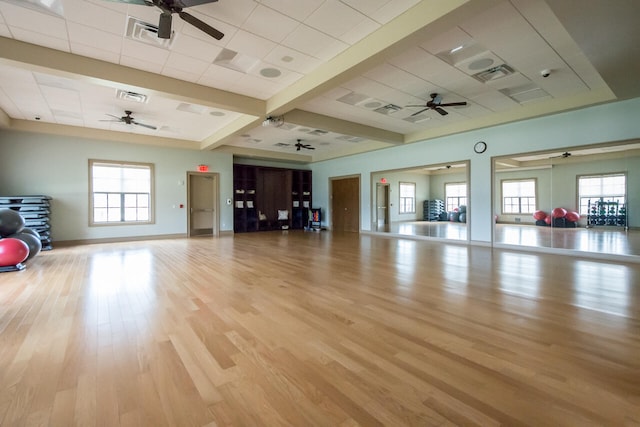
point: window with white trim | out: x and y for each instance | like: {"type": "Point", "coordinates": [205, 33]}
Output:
{"type": "Point", "coordinates": [120, 192]}
{"type": "Point", "coordinates": [519, 196]}
{"type": "Point", "coordinates": [455, 194]}
{"type": "Point", "coordinates": [407, 197]}
{"type": "Point", "coordinates": [601, 188]}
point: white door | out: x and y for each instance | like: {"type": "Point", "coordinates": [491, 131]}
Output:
{"type": "Point", "coordinates": [202, 204]}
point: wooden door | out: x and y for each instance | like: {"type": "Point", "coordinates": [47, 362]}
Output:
{"type": "Point", "coordinates": [345, 204]}
{"type": "Point", "coordinates": [202, 204]}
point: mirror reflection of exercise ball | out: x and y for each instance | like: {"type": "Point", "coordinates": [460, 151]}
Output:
{"type": "Point", "coordinates": [11, 222]}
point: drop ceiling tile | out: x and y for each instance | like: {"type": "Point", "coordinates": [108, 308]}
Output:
{"type": "Point", "coordinates": [446, 41]}
{"type": "Point", "coordinates": [219, 77]}
{"type": "Point", "coordinates": [93, 37]}
{"type": "Point", "coordinates": [331, 49]}
{"type": "Point", "coordinates": [195, 48]}
{"type": "Point", "coordinates": [4, 31]}
{"type": "Point", "coordinates": [366, 7]}
{"type": "Point", "coordinates": [143, 52]}
{"type": "Point", "coordinates": [286, 77]}
{"type": "Point", "coordinates": [250, 45]}
{"type": "Point", "coordinates": [95, 16]}
{"type": "Point", "coordinates": [397, 78]}
{"type": "Point", "coordinates": [9, 107]}
{"type": "Point", "coordinates": [40, 39]}
{"type": "Point", "coordinates": [61, 99]}
{"type": "Point", "coordinates": [307, 40]}
{"type": "Point", "coordinates": [293, 60]}
{"type": "Point", "coordinates": [296, 9]}
{"type": "Point", "coordinates": [334, 18]}
{"type": "Point", "coordinates": [233, 12]}
{"type": "Point", "coordinates": [392, 9]}
{"type": "Point", "coordinates": [186, 64]}
{"type": "Point", "coordinates": [28, 19]}
{"type": "Point", "coordinates": [270, 24]}
{"type": "Point", "coordinates": [360, 31]}
{"type": "Point", "coordinates": [184, 28]}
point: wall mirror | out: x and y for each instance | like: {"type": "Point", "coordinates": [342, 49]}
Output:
{"type": "Point", "coordinates": [583, 199]}
{"type": "Point", "coordinates": [428, 201]}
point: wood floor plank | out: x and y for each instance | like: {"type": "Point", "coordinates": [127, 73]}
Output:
{"type": "Point", "coordinates": [317, 329]}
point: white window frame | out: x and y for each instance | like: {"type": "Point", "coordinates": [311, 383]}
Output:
{"type": "Point", "coordinates": [121, 202]}
{"type": "Point", "coordinates": [407, 203]}
{"type": "Point", "coordinates": [528, 201]}
{"type": "Point", "coordinates": [456, 200]}
{"type": "Point", "coordinates": [609, 195]}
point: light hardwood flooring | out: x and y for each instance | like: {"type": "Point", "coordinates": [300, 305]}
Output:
{"type": "Point", "coordinates": [317, 329]}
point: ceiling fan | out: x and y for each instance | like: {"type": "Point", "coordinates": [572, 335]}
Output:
{"type": "Point", "coordinates": [169, 7]}
{"type": "Point", "coordinates": [563, 155]}
{"type": "Point", "coordinates": [127, 119]}
{"type": "Point", "coordinates": [300, 145]}
{"type": "Point", "coordinates": [436, 104]}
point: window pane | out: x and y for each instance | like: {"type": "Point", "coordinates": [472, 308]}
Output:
{"type": "Point", "coordinates": [121, 192]}
{"type": "Point", "coordinates": [407, 197]}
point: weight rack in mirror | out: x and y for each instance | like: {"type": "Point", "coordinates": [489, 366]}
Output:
{"type": "Point", "coordinates": [35, 210]}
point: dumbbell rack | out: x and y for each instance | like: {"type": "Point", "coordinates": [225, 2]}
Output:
{"type": "Point", "coordinates": [35, 210]}
{"type": "Point", "coordinates": [606, 213]}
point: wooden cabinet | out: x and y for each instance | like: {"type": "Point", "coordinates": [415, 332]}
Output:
{"type": "Point", "coordinates": [262, 194]}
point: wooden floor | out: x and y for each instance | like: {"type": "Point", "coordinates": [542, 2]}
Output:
{"type": "Point", "coordinates": [602, 240]}
{"type": "Point", "coordinates": [314, 328]}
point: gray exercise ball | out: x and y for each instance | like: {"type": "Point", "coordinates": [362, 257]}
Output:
{"type": "Point", "coordinates": [33, 242]}
{"type": "Point", "coordinates": [11, 222]}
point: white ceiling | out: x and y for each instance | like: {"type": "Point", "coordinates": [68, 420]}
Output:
{"type": "Point", "coordinates": [325, 66]}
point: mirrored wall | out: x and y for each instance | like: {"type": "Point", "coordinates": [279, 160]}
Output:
{"type": "Point", "coordinates": [427, 201]}
{"type": "Point", "coordinates": [583, 199]}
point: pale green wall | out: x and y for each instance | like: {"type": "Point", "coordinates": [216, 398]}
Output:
{"type": "Point", "coordinates": [57, 166]}
{"type": "Point", "coordinates": [438, 182]}
{"type": "Point", "coordinates": [604, 123]}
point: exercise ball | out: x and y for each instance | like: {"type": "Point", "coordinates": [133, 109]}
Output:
{"type": "Point", "coordinates": [572, 216]}
{"type": "Point", "coordinates": [462, 209]}
{"type": "Point", "coordinates": [547, 219]}
{"type": "Point", "coordinates": [12, 252]}
{"type": "Point", "coordinates": [31, 231]}
{"type": "Point", "coordinates": [462, 217]}
{"type": "Point", "coordinates": [11, 222]}
{"type": "Point", "coordinates": [558, 213]}
{"type": "Point", "coordinates": [33, 242]}
{"type": "Point", "coordinates": [539, 215]}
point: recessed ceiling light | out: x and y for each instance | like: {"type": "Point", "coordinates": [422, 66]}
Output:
{"type": "Point", "coordinates": [287, 58]}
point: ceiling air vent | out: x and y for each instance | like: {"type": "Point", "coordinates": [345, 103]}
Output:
{"type": "Point", "coordinates": [146, 33]}
{"type": "Point", "coordinates": [388, 109]}
{"type": "Point", "coordinates": [127, 95]}
{"type": "Point", "coordinates": [525, 93]}
{"type": "Point", "coordinates": [494, 73]}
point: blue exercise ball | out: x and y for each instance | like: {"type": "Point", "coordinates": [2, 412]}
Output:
{"type": "Point", "coordinates": [11, 222]}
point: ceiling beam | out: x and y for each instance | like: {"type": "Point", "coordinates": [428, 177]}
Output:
{"type": "Point", "coordinates": [240, 125]}
{"type": "Point", "coordinates": [39, 58]}
{"type": "Point", "coordinates": [319, 121]}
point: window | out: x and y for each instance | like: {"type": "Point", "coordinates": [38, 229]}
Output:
{"type": "Point", "coordinates": [120, 193]}
{"type": "Point", "coordinates": [605, 188]}
{"type": "Point", "coordinates": [519, 196]}
{"type": "Point", "coordinates": [455, 194]}
{"type": "Point", "coordinates": [407, 197]}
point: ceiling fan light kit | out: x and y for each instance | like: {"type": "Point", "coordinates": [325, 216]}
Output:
{"type": "Point", "coordinates": [435, 104]}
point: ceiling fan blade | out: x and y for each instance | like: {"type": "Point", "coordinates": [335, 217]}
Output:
{"type": "Point", "coordinates": [310, 148]}
{"type": "Point", "coordinates": [441, 111]}
{"type": "Point", "coordinates": [164, 27]}
{"type": "Point", "coordinates": [201, 25]}
{"type": "Point", "coordinates": [418, 112]}
{"type": "Point", "coordinates": [190, 3]}
{"type": "Point", "coordinates": [453, 104]}
{"type": "Point", "coordinates": [144, 126]}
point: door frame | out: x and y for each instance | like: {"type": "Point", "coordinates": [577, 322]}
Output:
{"type": "Point", "coordinates": [359, 198]}
{"type": "Point", "coordinates": [216, 200]}
{"type": "Point", "coordinates": [387, 207]}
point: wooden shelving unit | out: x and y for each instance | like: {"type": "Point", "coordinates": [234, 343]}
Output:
{"type": "Point", "coordinates": [261, 192]}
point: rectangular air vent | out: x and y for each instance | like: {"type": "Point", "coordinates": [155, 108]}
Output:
{"type": "Point", "coordinates": [235, 61]}
{"type": "Point", "coordinates": [318, 132]}
{"type": "Point", "coordinates": [494, 73]}
{"type": "Point", "coordinates": [127, 95]}
{"type": "Point", "coordinates": [281, 144]}
{"type": "Point", "coordinates": [525, 93]}
{"type": "Point", "coordinates": [144, 32]}
{"type": "Point", "coordinates": [388, 109]}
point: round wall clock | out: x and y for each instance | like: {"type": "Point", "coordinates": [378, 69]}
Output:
{"type": "Point", "coordinates": [480, 147]}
